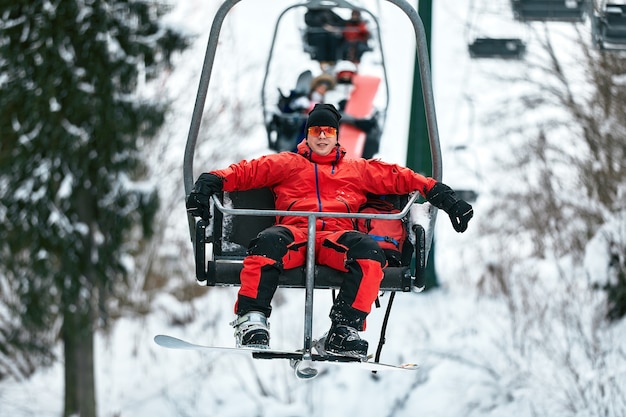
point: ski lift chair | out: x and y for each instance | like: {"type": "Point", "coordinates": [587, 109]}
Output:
{"type": "Point", "coordinates": [238, 216]}
{"type": "Point", "coordinates": [549, 10]}
{"type": "Point", "coordinates": [610, 27]}
{"type": "Point", "coordinates": [506, 48]}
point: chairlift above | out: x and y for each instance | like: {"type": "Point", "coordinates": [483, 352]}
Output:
{"type": "Point", "coordinates": [219, 247]}
{"type": "Point", "coordinates": [609, 27]}
{"type": "Point", "coordinates": [506, 48]}
{"type": "Point", "coordinates": [550, 10]}
{"type": "Point", "coordinates": [327, 38]}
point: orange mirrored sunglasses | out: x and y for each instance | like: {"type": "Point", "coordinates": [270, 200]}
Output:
{"type": "Point", "coordinates": [328, 131]}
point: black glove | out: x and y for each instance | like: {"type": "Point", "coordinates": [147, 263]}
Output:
{"type": "Point", "coordinates": [198, 199]}
{"type": "Point", "coordinates": [460, 211]}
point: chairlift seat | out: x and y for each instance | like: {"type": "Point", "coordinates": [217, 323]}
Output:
{"type": "Point", "coordinates": [549, 10]}
{"type": "Point", "coordinates": [513, 48]}
{"type": "Point", "coordinates": [229, 236]}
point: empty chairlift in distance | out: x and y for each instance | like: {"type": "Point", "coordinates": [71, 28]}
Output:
{"type": "Point", "coordinates": [609, 27]}
{"type": "Point", "coordinates": [504, 48]}
{"type": "Point", "coordinates": [550, 10]}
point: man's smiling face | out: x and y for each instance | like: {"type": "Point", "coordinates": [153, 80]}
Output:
{"type": "Point", "coordinates": [322, 139]}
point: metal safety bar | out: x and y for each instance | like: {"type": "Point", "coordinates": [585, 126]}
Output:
{"type": "Point", "coordinates": [269, 212]}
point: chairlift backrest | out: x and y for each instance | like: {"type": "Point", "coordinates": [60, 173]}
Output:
{"type": "Point", "coordinates": [512, 48]}
{"type": "Point", "coordinates": [550, 10]}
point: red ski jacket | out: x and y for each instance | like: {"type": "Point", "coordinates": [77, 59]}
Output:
{"type": "Point", "coordinates": [305, 181]}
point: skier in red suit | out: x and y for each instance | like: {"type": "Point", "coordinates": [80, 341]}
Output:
{"type": "Point", "coordinates": [317, 179]}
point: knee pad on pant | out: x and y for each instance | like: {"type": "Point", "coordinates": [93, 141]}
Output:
{"type": "Point", "coordinates": [362, 246]}
{"type": "Point", "coordinates": [272, 243]}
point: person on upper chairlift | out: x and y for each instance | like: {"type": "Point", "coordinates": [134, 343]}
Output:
{"type": "Point", "coordinates": [344, 72]}
{"type": "Point", "coordinates": [334, 89]}
{"type": "Point", "coordinates": [317, 179]}
{"type": "Point", "coordinates": [298, 102]}
{"type": "Point", "coordinates": [320, 85]}
{"type": "Point", "coordinates": [324, 35]}
{"type": "Point", "coordinates": [303, 104]}
{"type": "Point", "coordinates": [356, 35]}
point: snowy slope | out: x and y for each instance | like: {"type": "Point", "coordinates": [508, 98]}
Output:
{"type": "Point", "coordinates": [479, 356]}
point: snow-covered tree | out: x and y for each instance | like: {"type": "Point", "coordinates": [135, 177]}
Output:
{"type": "Point", "coordinates": [570, 149]}
{"type": "Point", "coordinates": [72, 205]}
{"type": "Point", "coordinates": [567, 191]}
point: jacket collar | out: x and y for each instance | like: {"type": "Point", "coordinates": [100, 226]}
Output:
{"type": "Point", "coordinates": [332, 158]}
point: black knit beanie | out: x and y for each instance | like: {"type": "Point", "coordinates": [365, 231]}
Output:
{"type": "Point", "coordinates": [323, 115]}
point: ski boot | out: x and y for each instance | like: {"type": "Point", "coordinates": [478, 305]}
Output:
{"type": "Point", "coordinates": [252, 330]}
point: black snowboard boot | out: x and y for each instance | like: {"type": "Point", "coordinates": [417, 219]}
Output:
{"type": "Point", "coordinates": [345, 340]}
{"type": "Point", "coordinates": [252, 330]}
{"type": "Point", "coordinates": [343, 337]}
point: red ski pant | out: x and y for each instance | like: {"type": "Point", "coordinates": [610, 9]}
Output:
{"type": "Point", "coordinates": [284, 247]}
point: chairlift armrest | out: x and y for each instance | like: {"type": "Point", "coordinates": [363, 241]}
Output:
{"type": "Point", "coordinates": [420, 258]}
{"type": "Point", "coordinates": [200, 250]}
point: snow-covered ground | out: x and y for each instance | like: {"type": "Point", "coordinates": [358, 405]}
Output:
{"type": "Point", "coordinates": [479, 355]}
